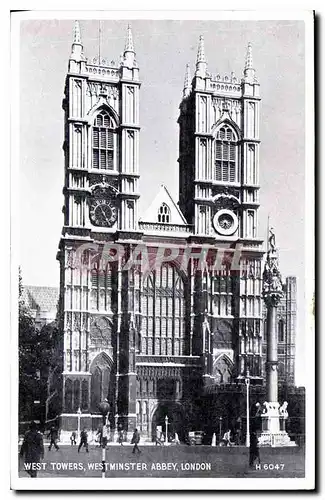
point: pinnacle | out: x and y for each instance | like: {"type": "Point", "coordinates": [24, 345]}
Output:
{"type": "Point", "coordinates": [129, 47]}
{"type": "Point", "coordinates": [200, 52]}
{"type": "Point", "coordinates": [249, 57]}
{"type": "Point", "coordinates": [76, 33]}
{"type": "Point", "coordinates": [187, 81]}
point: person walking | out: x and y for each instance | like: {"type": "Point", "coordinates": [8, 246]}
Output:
{"type": "Point", "coordinates": [73, 436]}
{"type": "Point", "coordinates": [32, 449]}
{"type": "Point", "coordinates": [121, 437]}
{"type": "Point", "coordinates": [83, 440]}
{"type": "Point", "coordinates": [53, 435]}
{"type": "Point", "coordinates": [135, 440]}
{"type": "Point", "coordinates": [254, 451]}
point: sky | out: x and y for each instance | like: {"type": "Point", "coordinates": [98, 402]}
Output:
{"type": "Point", "coordinates": [163, 48]}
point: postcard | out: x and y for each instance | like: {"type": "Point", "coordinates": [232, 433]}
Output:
{"type": "Point", "coordinates": [162, 250]}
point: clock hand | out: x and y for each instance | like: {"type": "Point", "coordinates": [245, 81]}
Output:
{"type": "Point", "coordinates": [105, 217]}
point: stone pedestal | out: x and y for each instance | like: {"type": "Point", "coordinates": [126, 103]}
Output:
{"type": "Point", "coordinates": [273, 416]}
{"type": "Point", "coordinates": [273, 427]}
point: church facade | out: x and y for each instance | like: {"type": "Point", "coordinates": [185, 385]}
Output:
{"type": "Point", "coordinates": [155, 309]}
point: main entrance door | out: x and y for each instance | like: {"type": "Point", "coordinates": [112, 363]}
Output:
{"type": "Point", "coordinates": [176, 420]}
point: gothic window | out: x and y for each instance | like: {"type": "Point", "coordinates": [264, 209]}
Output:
{"type": "Point", "coordinates": [68, 395]}
{"type": "Point", "coordinates": [103, 142]}
{"type": "Point", "coordinates": [163, 310]}
{"type": "Point", "coordinates": [226, 153]}
{"type": "Point", "coordinates": [102, 381]}
{"type": "Point", "coordinates": [164, 213]}
{"type": "Point", "coordinates": [223, 293]}
{"type": "Point", "coordinates": [101, 288]}
{"type": "Point", "coordinates": [222, 370]}
{"type": "Point", "coordinates": [281, 331]}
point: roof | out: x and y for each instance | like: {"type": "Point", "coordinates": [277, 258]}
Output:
{"type": "Point", "coordinates": [43, 298]}
{"type": "Point", "coordinates": [163, 197]}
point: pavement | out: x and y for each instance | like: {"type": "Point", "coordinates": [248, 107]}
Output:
{"type": "Point", "coordinates": [170, 461]}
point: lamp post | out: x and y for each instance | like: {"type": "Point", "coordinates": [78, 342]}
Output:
{"type": "Point", "coordinates": [166, 427]}
{"type": "Point", "coordinates": [220, 428]}
{"type": "Point", "coordinates": [247, 382]}
{"type": "Point", "coordinates": [104, 407]}
{"type": "Point", "coordinates": [79, 415]}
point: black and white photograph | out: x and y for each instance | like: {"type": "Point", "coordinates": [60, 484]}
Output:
{"type": "Point", "coordinates": [162, 250]}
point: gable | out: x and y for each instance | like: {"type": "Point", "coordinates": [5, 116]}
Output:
{"type": "Point", "coordinates": [163, 209]}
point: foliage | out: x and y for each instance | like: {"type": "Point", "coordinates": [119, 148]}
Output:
{"type": "Point", "coordinates": [35, 358]}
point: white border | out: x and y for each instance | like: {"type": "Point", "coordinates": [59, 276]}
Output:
{"type": "Point", "coordinates": [168, 483]}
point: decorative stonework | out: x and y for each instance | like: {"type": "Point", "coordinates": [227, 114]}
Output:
{"type": "Point", "coordinates": [272, 281]}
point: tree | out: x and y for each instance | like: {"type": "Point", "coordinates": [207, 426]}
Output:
{"type": "Point", "coordinates": [35, 359]}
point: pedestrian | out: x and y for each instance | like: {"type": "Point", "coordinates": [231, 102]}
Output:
{"type": "Point", "coordinates": [53, 435]}
{"type": "Point", "coordinates": [254, 451]}
{"type": "Point", "coordinates": [227, 438]}
{"type": "Point", "coordinates": [135, 440]}
{"type": "Point", "coordinates": [32, 449]}
{"type": "Point", "coordinates": [83, 440]}
{"type": "Point", "coordinates": [121, 437]}
{"type": "Point", "coordinates": [73, 438]}
{"type": "Point", "coordinates": [159, 438]}
{"type": "Point", "coordinates": [100, 437]}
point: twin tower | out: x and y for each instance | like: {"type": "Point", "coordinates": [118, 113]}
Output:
{"type": "Point", "coordinates": [150, 342]}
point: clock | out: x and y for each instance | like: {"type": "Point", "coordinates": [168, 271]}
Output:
{"type": "Point", "coordinates": [103, 212]}
{"type": "Point", "coordinates": [225, 222]}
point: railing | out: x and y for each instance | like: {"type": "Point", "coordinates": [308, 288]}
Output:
{"type": "Point", "coordinates": [159, 226]}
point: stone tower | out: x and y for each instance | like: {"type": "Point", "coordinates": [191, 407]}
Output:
{"type": "Point", "coordinates": [101, 150]}
{"type": "Point", "coordinates": [219, 196]}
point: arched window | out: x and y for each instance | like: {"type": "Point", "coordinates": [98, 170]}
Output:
{"type": "Point", "coordinates": [103, 142]}
{"type": "Point", "coordinates": [226, 153]}
{"type": "Point", "coordinates": [163, 312]}
{"type": "Point", "coordinates": [164, 213]}
{"type": "Point", "coordinates": [101, 288]}
{"type": "Point", "coordinates": [281, 331]}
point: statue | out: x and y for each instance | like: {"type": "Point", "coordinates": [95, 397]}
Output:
{"type": "Point", "coordinates": [283, 410]}
{"type": "Point", "coordinates": [272, 241]}
{"type": "Point", "coordinates": [283, 413]}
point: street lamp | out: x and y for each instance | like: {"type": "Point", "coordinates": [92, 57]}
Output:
{"type": "Point", "coordinates": [220, 428]}
{"type": "Point", "coordinates": [79, 415]}
{"type": "Point", "coordinates": [104, 407]}
{"type": "Point", "coordinates": [166, 426]}
{"type": "Point", "coordinates": [247, 382]}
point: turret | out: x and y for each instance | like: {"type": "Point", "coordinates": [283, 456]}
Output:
{"type": "Point", "coordinates": [249, 71]}
{"type": "Point", "coordinates": [76, 55]}
{"type": "Point", "coordinates": [201, 64]}
{"type": "Point", "coordinates": [187, 82]}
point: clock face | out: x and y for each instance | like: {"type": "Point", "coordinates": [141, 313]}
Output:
{"type": "Point", "coordinates": [225, 222]}
{"type": "Point", "coordinates": [103, 213]}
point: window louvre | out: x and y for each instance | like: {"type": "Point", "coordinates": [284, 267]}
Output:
{"type": "Point", "coordinates": [225, 155]}
{"type": "Point", "coordinates": [103, 142]}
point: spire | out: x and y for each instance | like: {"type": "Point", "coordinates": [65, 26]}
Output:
{"type": "Point", "coordinates": [76, 48]}
{"type": "Point", "coordinates": [249, 57]}
{"type": "Point", "coordinates": [76, 33]}
{"type": "Point", "coordinates": [200, 52]}
{"type": "Point", "coordinates": [249, 71]}
{"type": "Point", "coordinates": [129, 53]}
{"type": "Point", "coordinates": [201, 64]}
{"type": "Point", "coordinates": [187, 82]}
{"type": "Point", "coordinates": [129, 47]}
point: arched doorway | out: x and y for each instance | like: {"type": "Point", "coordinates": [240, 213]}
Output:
{"type": "Point", "coordinates": [176, 420]}
{"type": "Point", "coordinates": [102, 381]}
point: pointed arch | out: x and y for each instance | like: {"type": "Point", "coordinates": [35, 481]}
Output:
{"type": "Point", "coordinates": [163, 312]}
{"type": "Point", "coordinates": [164, 213]}
{"type": "Point", "coordinates": [101, 105]}
{"type": "Point", "coordinates": [222, 369]}
{"type": "Point", "coordinates": [230, 123]}
{"type": "Point", "coordinates": [226, 151]}
{"type": "Point", "coordinates": [104, 140]}
{"type": "Point", "coordinates": [102, 380]}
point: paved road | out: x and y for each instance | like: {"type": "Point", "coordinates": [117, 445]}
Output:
{"type": "Point", "coordinates": [172, 461]}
